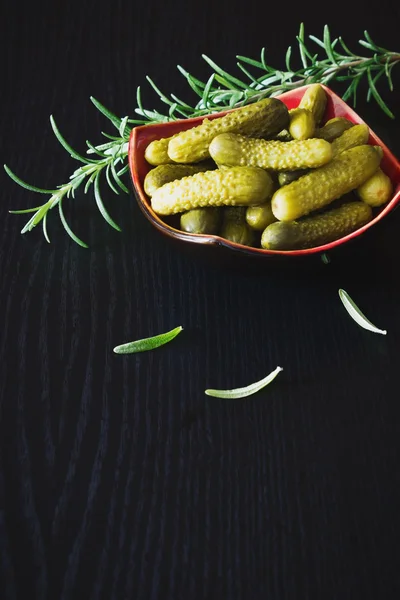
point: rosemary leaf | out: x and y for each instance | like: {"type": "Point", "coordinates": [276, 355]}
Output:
{"type": "Point", "coordinates": [25, 185]}
{"type": "Point", "coordinates": [68, 228]}
{"type": "Point", "coordinates": [148, 343]}
{"type": "Point", "coordinates": [244, 391]}
{"type": "Point", "coordinates": [356, 313]}
{"type": "Point", "coordinates": [100, 204]}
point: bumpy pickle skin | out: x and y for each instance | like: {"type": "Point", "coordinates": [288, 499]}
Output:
{"type": "Point", "coordinates": [316, 230]}
{"type": "Point", "coordinates": [264, 118]}
{"type": "Point", "coordinates": [321, 186]}
{"type": "Point", "coordinates": [301, 124]}
{"type": "Point", "coordinates": [235, 228]}
{"type": "Point", "coordinates": [259, 217]}
{"type": "Point", "coordinates": [201, 221]}
{"type": "Point", "coordinates": [357, 135]}
{"type": "Point", "coordinates": [377, 190]}
{"type": "Point", "coordinates": [235, 186]}
{"type": "Point", "coordinates": [162, 174]}
{"type": "Point", "coordinates": [237, 150]}
{"type": "Point", "coordinates": [314, 99]}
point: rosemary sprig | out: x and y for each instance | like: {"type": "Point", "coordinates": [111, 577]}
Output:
{"type": "Point", "coordinates": [333, 61]}
{"type": "Point", "coordinates": [148, 343]}
{"type": "Point", "coordinates": [356, 314]}
{"type": "Point", "coordinates": [244, 391]}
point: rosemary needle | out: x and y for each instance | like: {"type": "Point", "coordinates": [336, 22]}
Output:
{"type": "Point", "coordinates": [148, 343]}
{"type": "Point", "coordinates": [245, 391]}
{"type": "Point", "coordinates": [356, 313]}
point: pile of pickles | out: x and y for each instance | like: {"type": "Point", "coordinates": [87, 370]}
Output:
{"type": "Point", "coordinates": [266, 176]}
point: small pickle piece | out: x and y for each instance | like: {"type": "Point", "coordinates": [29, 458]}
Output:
{"type": "Point", "coordinates": [321, 186]}
{"type": "Point", "coordinates": [318, 229]}
{"type": "Point", "coordinates": [234, 227]}
{"type": "Point", "coordinates": [302, 124]}
{"type": "Point", "coordinates": [166, 173]}
{"type": "Point", "coordinates": [314, 99]}
{"type": "Point", "coordinates": [377, 190]}
{"type": "Point", "coordinates": [201, 220]}
{"type": "Point", "coordinates": [234, 149]}
{"type": "Point", "coordinates": [264, 118]}
{"type": "Point", "coordinates": [333, 128]}
{"type": "Point", "coordinates": [259, 217]}
{"type": "Point", "coordinates": [355, 136]}
{"type": "Point", "coordinates": [235, 186]}
{"type": "Point", "coordinates": [285, 177]}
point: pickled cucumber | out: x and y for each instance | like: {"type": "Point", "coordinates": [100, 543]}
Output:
{"type": "Point", "coordinates": [236, 186]}
{"type": "Point", "coordinates": [235, 149]}
{"type": "Point", "coordinates": [261, 119]}
{"type": "Point", "coordinates": [301, 124]}
{"type": "Point", "coordinates": [234, 227]}
{"type": "Point", "coordinates": [333, 128]}
{"type": "Point", "coordinates": [318, 229]}
{"type": "Point", "coordinates": [259, 217]}
{"type": "Point", "coordinates": [156, 152]}
{"type": "Point", "coordinates": [314, 99]}
{"type": "Point", "coordinates": [377, 190]}
{"type": "Point", "coordinates": [321, 186]}
{"type": "Point", "coordinates": [161, 174]}
{"type": "Point", "coordinates": [355, 136]}
{"type": "Point", "coordinates": [201, 220]}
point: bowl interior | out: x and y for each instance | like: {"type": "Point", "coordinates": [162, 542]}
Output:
{"type": "Point", "coordinates": [142, 136]}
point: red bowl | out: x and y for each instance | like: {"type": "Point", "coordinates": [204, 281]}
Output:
{"type": "Point", "coordinates": [142, 136]}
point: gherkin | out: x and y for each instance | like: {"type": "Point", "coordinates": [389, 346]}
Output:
{"type": "Point", "coordinates": [355, 136]}
{"type": "Point", "coordinates": [377, 190]}
{"type": "Point", "coordinates": [264, 118]}
{"type": "Point", "coordinates": [314, 99]}
{"type": "Point", "coordinates": [235, 186]}
{"type": "Point", "coordinates": [321, 186]}
{"type": "Point", "coordinates": [302, 124]}
{"type": "Point", "coordinates": [156, 152]}
{"type": "Point", "coordinates": [162, 174]}
{"type": "Point", "coordinates": [234, 149]}
{"type": "Point", "coordinates": [318, 229]}
{"type": "Point", "coordinates": [333, 128]}
{"type": "Point", "coordinates": [234, 226]}
{"type": "Point", "coordinates": [259, 217]}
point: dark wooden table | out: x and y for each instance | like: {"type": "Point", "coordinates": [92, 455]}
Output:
{"type": "Point", "coordinates": [119, 478]}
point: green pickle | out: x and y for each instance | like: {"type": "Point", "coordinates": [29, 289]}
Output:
{"type": "Point", "coordinates": [302, 124]}
{"type": "Point", "coordinates": [201, 220]}
{"type": "Point", "coordinates": [321, 186]}
{"type": "Point", "coordinates": [162, 174]}
{"type": "Point", "coordinates": [357, 135]}
{"type": "Point", "coordinates": [233, 186]}
{"type": "Point", "coordinates": [318, 229]}
{"type": "Point", "coordinates": [235, 228]}
{"type": "Point", "coordinates": [259, 217]}
{"type": "Point", "coordinates": [238, 150]}
{"type": "Point", "coordinates": [264, 118]}
{"type": "Point", "coordinates": [156, 152]}
{"type": "Point", "coordinates": [333, 128]}
{"type": "Point", "coordinates": [314, 99]}
{"type": "Point", "coordinates": [377, 190]}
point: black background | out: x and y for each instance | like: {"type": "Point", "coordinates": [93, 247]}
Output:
{"type": "Point", "coordinates": [119, 478]}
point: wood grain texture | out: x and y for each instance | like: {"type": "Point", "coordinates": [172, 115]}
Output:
{"type": "Point", "coordinates": [119, 478]}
